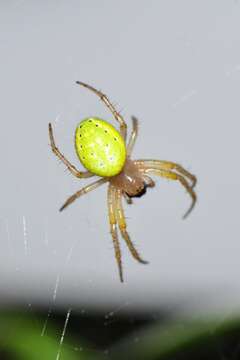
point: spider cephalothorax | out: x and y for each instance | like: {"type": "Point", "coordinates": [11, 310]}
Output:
{"type": "Point", "coordinates": [103, 152]}
{"type": "Point", "coordinates": [130, 180]}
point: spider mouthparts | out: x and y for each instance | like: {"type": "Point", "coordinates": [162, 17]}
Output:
{"type": "Point", "coordinates": [140, 193]}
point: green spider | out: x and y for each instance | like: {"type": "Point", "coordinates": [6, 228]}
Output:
{"type": "Point", "coordinates": [103, 151]}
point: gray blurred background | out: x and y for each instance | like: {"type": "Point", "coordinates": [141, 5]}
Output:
{"type": "Point", "coordinates": [176, 66]}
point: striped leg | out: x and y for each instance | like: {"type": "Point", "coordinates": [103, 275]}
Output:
{"type": "Point", "coordinates": [71, 168]}
{"type": "Point", "coordinates": [83, 191]}
{"type": "Point", "coordinates": [104, 98]}
{"type": "Point", "coordinates": [123, 229]}
{"type": "Point", "coordinates": [113, 227]}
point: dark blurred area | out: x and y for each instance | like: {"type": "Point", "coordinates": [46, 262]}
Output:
{"type": "Point", "coordinates": [95, 335]}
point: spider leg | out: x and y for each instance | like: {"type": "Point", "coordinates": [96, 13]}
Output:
{"type": "Point", "coordinates": [133, 136]}
{"type": "Point", "coordinates": [104, 98]}
{"type": "Point", "coordinates": [127, 198]}
{"type": "Point", "coordinates": [71, 168]}
{"type": "Point", "coordinates": [148, 181]}
{"type": "Point", "coordinates": [83, 191]}
{"type": "Point", "coordinates": [123, 228]}
{"type": "Point", "coordinates": [167, 165]}
{"type": "Point", "coordinates": [174, 176]}
{"type": "Point", "coordinates": [113, 228]}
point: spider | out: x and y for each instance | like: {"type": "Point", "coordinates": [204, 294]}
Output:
{"type": "Point", "coordinates": [104, 152]}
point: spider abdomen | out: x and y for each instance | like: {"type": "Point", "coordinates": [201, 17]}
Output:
{"type": "Point", "coordinates": [100, 147]}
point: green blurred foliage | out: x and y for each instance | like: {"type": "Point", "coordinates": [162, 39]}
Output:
{"type": "Point", "coordinates": [21, 338]}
